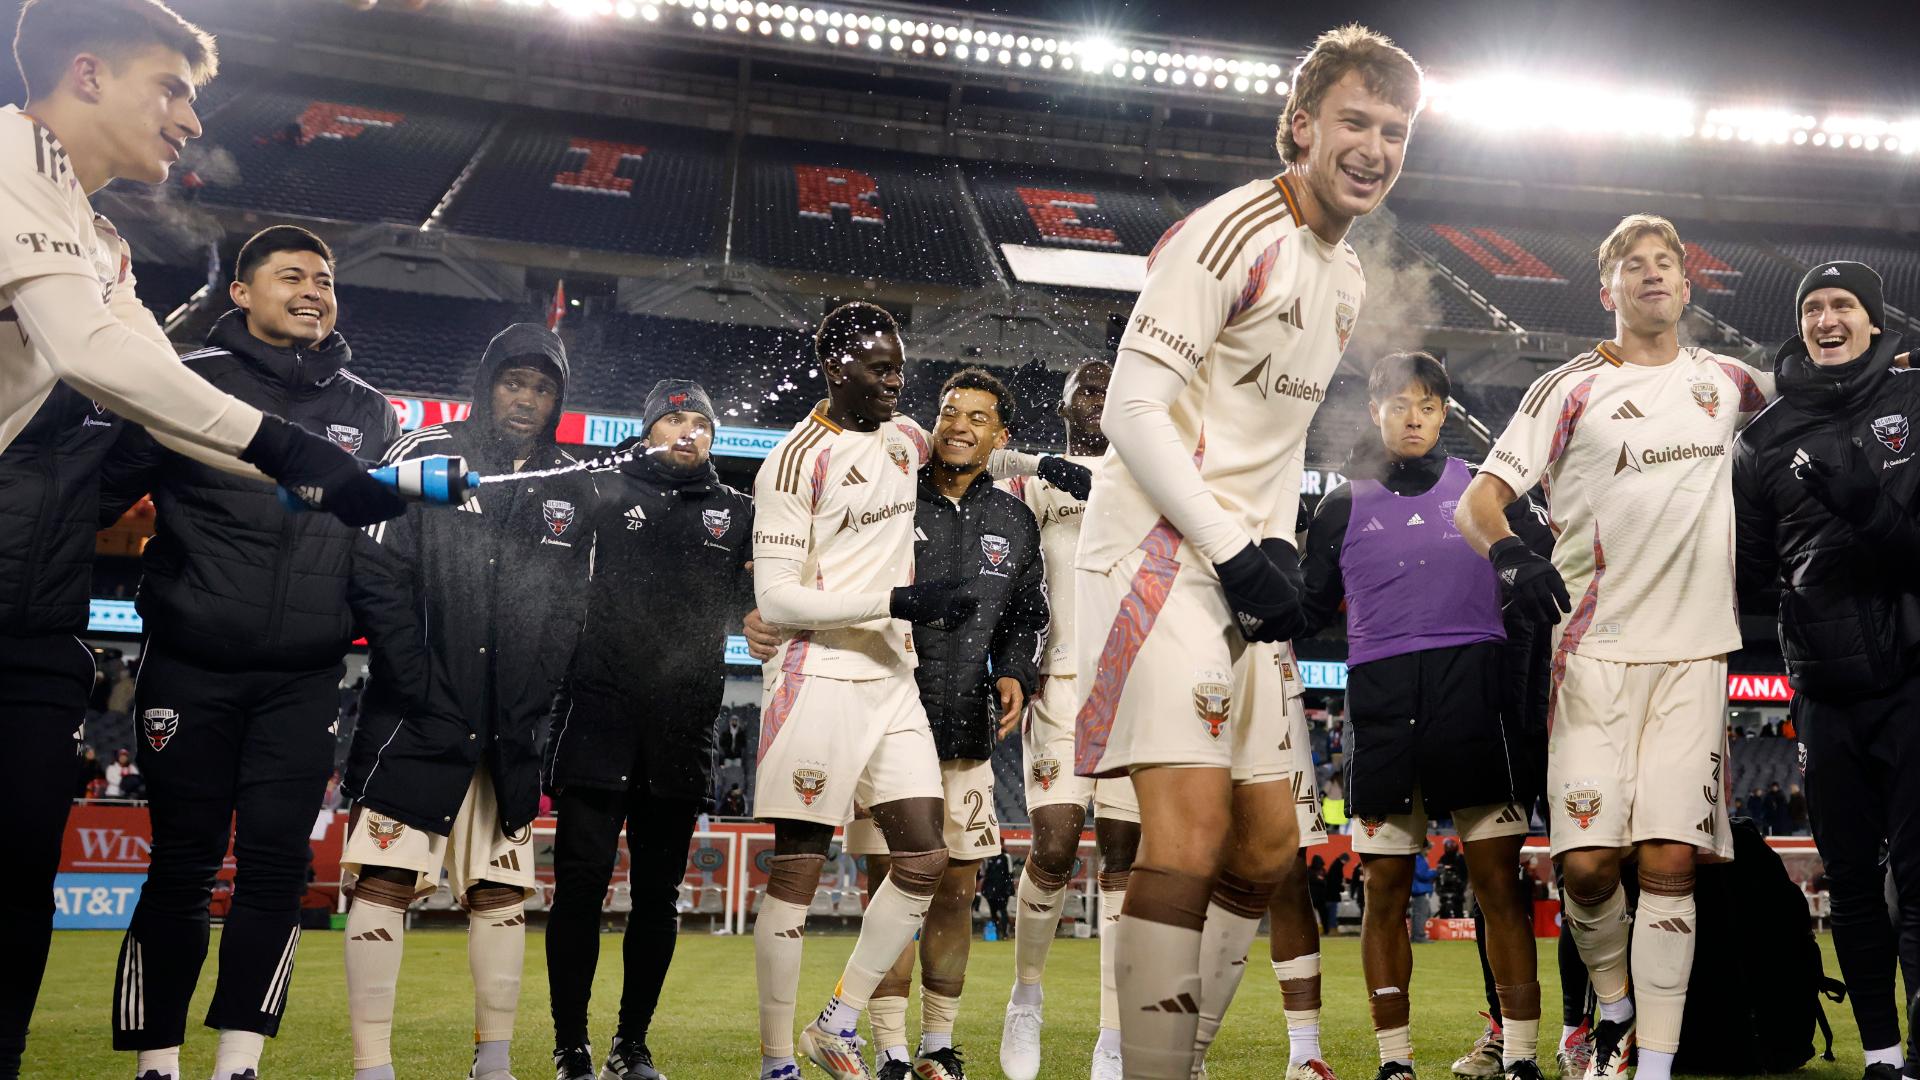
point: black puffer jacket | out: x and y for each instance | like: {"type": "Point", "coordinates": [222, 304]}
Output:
{"type": "Point", "coordinates": [992, 538]}
{"type": "Point", "coordinates": [49, 503]}
{"type": "Point", "coordinates": [669, 579]}
{"type": "Point", "coordinates": [471, 614]}
{"type": "Point", "coordinates": [233, 581]}
{"type": "Point", "coordinates": [1849, 612]}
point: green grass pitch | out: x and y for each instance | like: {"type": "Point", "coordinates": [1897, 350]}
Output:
{"type": "Point", "coordinates": [708, 1017]}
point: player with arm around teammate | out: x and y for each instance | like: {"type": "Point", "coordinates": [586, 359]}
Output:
{"type": "Point", "coordinates": [1632, 444]}
{"type": "Point", "coordinates": [1183, 571]}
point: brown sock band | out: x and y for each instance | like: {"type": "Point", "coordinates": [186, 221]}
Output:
{"type": "Point", "coordinates": [1390, 1010]}
{"type": "Point", "coordinates": [1519, 1002]}
{"type": "Point", "coordinates": [1242, 896]}
{"type": "Point", "coordinates": [1663, 884]}
{"type": "Point", "coordinates": [917, 873]}
{"type": "Point", "coordinates": [1114, 880]}
{"type": "Point", "coordinates": [1045, 880]}
{"type": "Point", "coordinates": [493, 897]}
{"type": "Point", "coordinates": [1596, 899]}
{"type": "Point", "coordinates": [383, 893]}
{"type": "Point", "coordinates": [1300, 995]}
{"type": "Point", "coordinates": [1168, 897]}
{"type": "Point", "coordinates": [793, 878]}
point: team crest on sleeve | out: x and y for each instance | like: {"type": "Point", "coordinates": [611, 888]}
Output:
{"type": "Point", "coordinates": [993, 555]}
{"type": "Point", "coordinates": [159, 726]}
{"type": "Point", "coordinates": [383, 830]}
{"type": "Point", "coordinates": [1210, 701]}
{"type": "Point", "coordinates": [1583, 805]}
{"type": "Point", "coordinates": [1344, 316]}
{"type": "Point", "coordinates": [346, 437]}
{"type": "Point", "coordinates": [809, 783]}
{"type": "Point", "coordinates": [1706, 394]}
{"type": "Point", "coordinates": [558, 514]}
{"type": "Point", "coordinates": [899, 455]}
{"type": "Point", "coordinates": [1045, 771]}
{"type": "Point", "coordinates": [1891, 431]}
{"type": "Point", "coordinates": [717, 522]}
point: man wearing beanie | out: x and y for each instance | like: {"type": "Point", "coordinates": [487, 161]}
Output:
{"type": "Point", "coordinates": [633, 735]}
{"type": "Point", "coordinates": [470, 618]}
{"type": "Point", "coordinates": [1824, 490]}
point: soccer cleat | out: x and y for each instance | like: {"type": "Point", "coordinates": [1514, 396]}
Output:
{"type": "Point", "coordinates": [1020, 1042]}
{"type": "Point", "coordinates": [1394, 1070]}
{"type": "Point", "coordinates": [838, 1054]}
{"type": "Point", "coordinates": [1524, 1069]}
{"type": "Point", "coordinates": [573, 1062]}
{"type": "Point", "coordinates": [896, 1069]}
{"type": "Point", "coordinates": [1311, 1069]}
{"type": "Point", "coordinates": [941, 1064]}
{"type": "Point", "coordinates": [1576, 1052]}
{"type": "Point", "coordinates": [1484, 1059]}
{"type": "Point", "coordinates": [1106, 1064]}
{"type": "Point", "coordinates": [1612, 1050]}
{"type": "Point", "coordinates": [630, 1061]}
{"type": "Point", "coordinates": [1880, 1070]}
{"type": "Point", "coordinates": [155, 1074]}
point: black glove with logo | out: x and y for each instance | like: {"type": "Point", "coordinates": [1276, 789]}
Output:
{"type": "Point", "coordinates": [1529, 585]}
{"type": "Point", "coordinates": [939, 604]}
{"type": "Point", "coordinates": [321, 474]}
{"type": "Point", "coordinates": [1264, 601]}
{"type": "Point", "coordinates": [1850, 491]}
{"type": "Point", "coordinates": [1069, 476]}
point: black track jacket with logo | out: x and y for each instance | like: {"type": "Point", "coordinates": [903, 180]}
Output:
{"type": "Point", "coordinates": [472, 612]}
{"type": "Point", "coordinates": [232, 580]}
{"type": "Point", "coordinates": [992, 540]}
{"type": "Point", "coordinates": [1849, 613]}
{"type": "Point", "coordinates": [670, 579]}
{"type": "Point", "coordinates": [49, 500]}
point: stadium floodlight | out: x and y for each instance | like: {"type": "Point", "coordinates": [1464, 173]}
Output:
{"type": "Point", "coordinates": [1512, 103]}
{"type": "Point", "coordinates": [1046, 60]}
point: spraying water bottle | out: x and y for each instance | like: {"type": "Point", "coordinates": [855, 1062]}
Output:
{"type": "Point", "coordinates": [441, 480]}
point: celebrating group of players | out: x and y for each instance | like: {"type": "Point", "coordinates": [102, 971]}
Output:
{"type": "Point", "coordinates": [919, 594]}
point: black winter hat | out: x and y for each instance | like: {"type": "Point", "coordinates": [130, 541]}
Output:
{"type": "Point", "coordinates": [676, 395]}
{"type": "Point", "coordinates": [1857, 278]}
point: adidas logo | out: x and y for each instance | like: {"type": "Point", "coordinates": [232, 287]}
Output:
{"type": "Point", "coordinates": [793, 933]}
{"type": "Point", "coordinates": [636, 517]}
{"type": "Point", "coordinates": [509, 861]}
{"type": "Point", "coordinates": [515, 921]}
{"type": "Point", "coordinates": [373, 935]}
{"type": "Point", "coordinates": [1676, 926]}
{"type": "Point", "coordinates": [1291, 317]}
{"type": "Point", "coordinates": [1182, 1003]}
{"type": "Point", "coordinates": [1629, 411]}
{"type": "Point", "coordinates": [1831, 271]}
{"type": "Point", "coordinates": [1508, 815]}
{"type": "Point", "coordinates": [1416, 520]}
{"type": "Point", "coordinates": [1707, 825]}
{"type": "Point", "coordinates": [853, 477]}
{"type": "Point", "coordinates": [1373, 525]}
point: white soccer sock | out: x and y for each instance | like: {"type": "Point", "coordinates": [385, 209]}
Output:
{"type": "Point", "coordinates": [1223, 963]}
{"type": "Point", "coordinates": [1519, 1022]}
{"type": "Point", "coordinates": [1663, 937]}
{"type": "Point", "coordinates": [1389, 1006]}
{"type": "Point", "coordinates": [1653, 1064]}
{"type": "Point", "coordinates": [1158, 972]}
{"type": "Point", "coordinates": [1111, 899]}
{"type": "Point", "coordinates": [496, 952]}
{"type": "Point", "coordinates": [1299, 980]}
{"type": "Point", "coordinates": [937, 1015]}
{"type": "Point", "coordinates": [888, 1016]}
{"type": "Point", "coordinates": [1036, 918]}
{"type": "Point", "coordinates": [777, 939]}
{"type": "Point", "coordinates": [165, 1061]}
{"type": "Point", "coordinates": [1618, 1012]}
{"type": "Point", "coordinates": [1894, 1055]}
{"type": "Point", "coordinates": [893, 918]}
{"type": "Point", "coordinates": [375, 940]}
{"type": "Point", "coordinates": [1601, 932]}
{"type": "Point", "coordinates": [238, 1051]}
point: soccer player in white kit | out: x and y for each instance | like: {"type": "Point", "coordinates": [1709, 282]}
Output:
{"type": "Point", "coordinates": [1186, 560]}
{"type": "Point", "coordinates": [841, 719]}
{"type": "Point", "coordinates": [1632, 443]}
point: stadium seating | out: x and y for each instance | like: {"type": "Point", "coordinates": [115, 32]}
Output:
{"type": "Point", "coordinates": [1898, 263]}
{"type": "Point", "coordinates": [854, 211]}
{"type": "Point", "coordinates": [1058, 208]}
{"type": "Point", "coordinates": [1742, 283]}
{"type": "Point", "coordinates": [426, 345]}
{"type": "Point", "coordinates": [323, 149]}
{"type": "Point", "coordinates": [1540, 278]}
{"type": "Point", "coordinates": [163, 288]}
{"type": "Point", "coordinates": [582, 182]}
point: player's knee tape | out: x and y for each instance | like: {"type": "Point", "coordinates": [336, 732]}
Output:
{"type": "Point", "coordinates": [488, 898]}
{"type": "Point", "coordinates": [793, 878]}
{"type": "Point", "coordinates": [1114, 880]}
{"type": "Point", "coordinates": [384, 892]}
{"type": "Point", "coordinates": [1299, 980]}
{"type": "Point", "coordinates": [1168, 897]}
{"type": "Point", "coordinates": [1243, 896]}
{"type": "Point", "coordinates": [1046, 880]}
{"type": "Point", "coordinates": [915, 873]}
{"type": "Point", "coordinates": [1661, 883]}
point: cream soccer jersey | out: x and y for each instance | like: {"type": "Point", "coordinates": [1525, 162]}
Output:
{"type": "Point", "coordinates": [1637, 466]}
{"type": "Point", "coordinates": [841, 503]}
{"type": "Point", "coordinates": [1254, 310]}
{"type": "Point", "coordinates": [1059, 514]}
{"type": "Point", "coordinates": [49, 228]}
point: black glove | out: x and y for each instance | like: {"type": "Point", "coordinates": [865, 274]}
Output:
{"type": "Point", "coordinates": [1283, 555]}
{"type": "Point", "coordinates": [1069, 476]}
{"type": "Point", "coordinates": [1265, 603]}
{"type": "Point", "coordinates": [1529, 584]}
{"type": "Point", "coordinates": [1850, 491]}
{"type": "Point", "coordinates": [939, 604]}
{"type": "Point", "coordinates": [321, 474]}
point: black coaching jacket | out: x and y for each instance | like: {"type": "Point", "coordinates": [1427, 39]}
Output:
{"type": "Point", "coordinates": [471, 614]}
{"type": "Point", "coordinates": [232, 580]}
{"type": "Point", "coordinates": [670, 578]}
{"type": "Point", "coordinates": [990, 537]}
{"type": "Point", "coordinates": [49, 503]}
{"type": "Point", "coordinates": [1849, 611]}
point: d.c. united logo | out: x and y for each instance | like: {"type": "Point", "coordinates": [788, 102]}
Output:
{"type": "Point", "coordinates": [717, 521]}
{"type": "Point", "coordinates": [1583, 805]}
{"type": "Point", "coordinates": [159, 725]}
{"type": "Point", "coordinates": [1210, 701]}
{"type": "Point", "coordinates": [346, 437]}
{"type": "Point", "coordinates": [1045, 772]}
{"type": "Point", "coordinates": [1372, 825]}
{"type": "Point", "coordinates": [808, 784]}
{"type": "Point", "coordinates": [994, 549]}
{"type": "Point", "coordinates": [1343, 319]}
{"type": "Point", "coordinates": [383, 831]}
{"type": "Point", "coordinates": [559, 515]}
{"type": "Point", "coordinates": [1891, 431]}
{"type": "Point", "coordinates": [1706, 394]}
{"type": "Point", "coordinates": [899, 455]}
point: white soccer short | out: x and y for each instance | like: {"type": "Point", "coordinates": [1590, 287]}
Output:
{"type": "Point", "coordinates": [1306, 788]}
{"type": "Point", "coordinates": [826, 744]}
{"type": "Point", "coordinates": [971, 829]}
{"type": "Point", "coordinates": [475, 851]}
{"type": "Point", "coordinates": [1047, 750]}
{"type": "Point", "coordinates": [1406, 834]}
{"type": "Point", "coordinates": [1638, 752]}
{"type": "Point", "coordinates": [1175, 683]}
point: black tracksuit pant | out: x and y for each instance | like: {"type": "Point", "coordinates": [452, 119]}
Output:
{"type": "Point", "coordinates": [244, 757]}
{"type": "Point", "coordinates": [1863, 792]}
{"type": "Point", "coordinates": [44, 685]}
{"type": "Point", "coordinates": [584, 853]}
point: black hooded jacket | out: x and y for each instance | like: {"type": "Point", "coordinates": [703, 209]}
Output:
{"type": "Point", "coordinates": [991, 539]}
{"type": "Point", "coordinates": [1849, 610]}
{"type": "Point", "coordinates": [669, 579]}
{"type": "Point", "coordinates": [471, 614]}
{"type": "Point", "coordinates": [233, 580]}
{"type": "Point", "coordinates": [49, 503]}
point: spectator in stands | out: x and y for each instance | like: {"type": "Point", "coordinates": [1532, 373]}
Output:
{"type": "Point", "coordinates": [1776, 807]}
{"type": "Point", "coordinates": [633, 745]}
{"type": "Point", "coordinates": [1826, 523]}
{"type": "Point", "coordinates": [1420, 905]}
{"type": "Point", "coordinates": [734, 803]}
{"type": "Point", "coordinates": [996, 887]}
{"type": "Point", "coordinates": [1756, 808]}
{"type": "Point", "coordinates": [1323, 893]}
{"type": "Point", "coordinates": [1796, 811]}
{"type": "Point", "coordinates": [123, 776]}
{"type": "Point", "coordinates": [1735, 734]}
{"type": "Point", "coordinates": [733, 741]}
{"type": "Point", "coordinates": [89, 770]}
